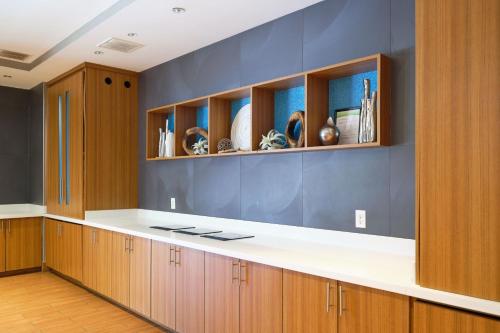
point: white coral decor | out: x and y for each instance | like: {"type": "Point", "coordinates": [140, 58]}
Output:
{"type": "Point", "coordinates": [200, 147]}
{"type": "Point", "coordinates": [273, 140]}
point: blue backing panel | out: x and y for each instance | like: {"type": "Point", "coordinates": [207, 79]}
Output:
{"type": "Point", "coordinates": [286, 102]}
{"type": "Point", "coordinates": [348, 91]}
{"type": "Point", "coordinates": [236, 105]}
{"type": "Point", "coordinates": [171, 119]}
{"type": "Point", "coordinates": [202, 117]}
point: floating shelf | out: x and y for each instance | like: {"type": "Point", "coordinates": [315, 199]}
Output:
{"type": "Point", "coordinates": [318, 92]}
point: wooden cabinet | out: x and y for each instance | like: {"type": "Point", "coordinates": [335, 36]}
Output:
{"type": "Point", "coordinates": [64, 248]}
{"type": "Point", "coordinates": [457, 160]}
{"type": "Point", "coordinates": [189, 290]}
{"type": "Point", "coordinates": [309, 303]}
{"type": "Point", "coordinates": [91, 125]}
{"type": "Point", "coordinates": [2, 245]}
{"type": "Point", "coordinates": [430, 318]}
{"type": "Point", "coordinates": [131, 272]}
{"type": "Point", "coordinates": [362, 309]}
{"type": "Point", "coordinates": [261, 298]}
{"type": "Point", "coordinates": [222, 294]}
{"type": "Point", "coordinates": [23, 243]}
{"type": "Point", "coordinates": [163, 284]}
{"type": "Point", "coordinates": [97, 246]}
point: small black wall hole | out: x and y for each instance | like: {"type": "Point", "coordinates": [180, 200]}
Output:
{"type": "Point", "coordinates": [108, 80]}
{"type": "Point", "coordinates": [127, 84]}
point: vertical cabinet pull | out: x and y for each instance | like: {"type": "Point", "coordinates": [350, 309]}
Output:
{"type": "Point", "coordinates": [328, 297]}
{"type": "Point", "coordinates": [177, 251]}
{"type": "Point", "coordinates": [9, 226]}
{"type": "Point", "coordinates": [341, 300]}
{"type": "Point", "coordinates": [236, 277]}
{"type": "Point", "coordinates": [93, 237]}
{"type": "Point", "coordinates": [68, 127]}
{"type": "Point", "coordinates": [241, 267]}
{"type": "Point", "coordinates": [171, 258]}
{"type": "Point", "coordinates": [60, 148]}
{"type": "Point", "coordinates": [131, 244]}
{"type": "Point", "coordinates": [1, 226]}
{"type": "Point", "coordinates": [126, 244]}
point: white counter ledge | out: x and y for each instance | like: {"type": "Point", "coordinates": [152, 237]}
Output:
{"type": "Point", "coordinates": [21, 211]}
{"type": "Point", "coordinates": [385, 263]}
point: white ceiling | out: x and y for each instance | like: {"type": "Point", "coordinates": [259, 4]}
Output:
{"type": "Point", "coordinates": [36, 26]}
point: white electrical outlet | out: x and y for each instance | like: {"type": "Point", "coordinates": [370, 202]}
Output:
{"type": "Point", "coordinates": [172, 203]}
{"type": "Point", "coordinates": [361, 219]}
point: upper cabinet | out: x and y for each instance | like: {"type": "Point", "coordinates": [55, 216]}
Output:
{"type": "Point", "coordinates": [458, 159]}
{"type": "Point", "coordinates": [91, 141]}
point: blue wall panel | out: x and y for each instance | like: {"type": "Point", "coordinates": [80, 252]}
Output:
{"type": "Point", "coordinates": [286, 102]}
{"type": "Point", "coordinates": [348, 91]}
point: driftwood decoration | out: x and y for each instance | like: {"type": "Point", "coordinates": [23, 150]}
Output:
{"type": "Point", "coordinates": [296, 117]}
{"type": "Point", "coordinates": [187, 140]}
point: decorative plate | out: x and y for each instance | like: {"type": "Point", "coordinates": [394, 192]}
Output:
{"type": "Point", "coordinates": [241, 129]}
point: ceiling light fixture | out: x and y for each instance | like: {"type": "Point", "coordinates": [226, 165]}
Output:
{"type": "Point", "coordinates": [98, 52]}
{"type": "Point", "coordinates": [132, 34]}
{"type": "Point", "coordinates": [179, 10]}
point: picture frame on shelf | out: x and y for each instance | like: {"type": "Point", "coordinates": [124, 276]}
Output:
{"type": "Point", "coordinates": [347, 121]}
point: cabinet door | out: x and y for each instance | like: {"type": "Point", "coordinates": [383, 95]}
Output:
{"type": "Point", "coordinates": [103, 242]}
{"type": "Point", "coordinates": [23, 243]}
{"type": "Point", "coordinates": [71, 250]}
{"type": "Point", "coordinates": [163, 284]}
{"type": "Point", "coordinates": [65, 147]}
{"type": "Point", "coordinates": [120, 268]}
{"type": "Point", "coordinates": [458, 183]}
{"type": "Point", "coordinates": [261, 298]}
{"type": "Point", "coordinates": [430, 318]}
{"type": "Point", "coordinates": [52, 257]}
{"type": "Point", "coordinates": [309, 303]}
{"type": "Point", "coordinates": [189, 288]}
{"type": "Point", "coordinates": [222, 294]}
{"type": "Point", "coordinates": [140, 275]}
{"type": "Point", "coordinates": [369, 310]}
{"type": "Point", "coordinates": [89, 257]}
{"type": "Point", "coordinates": [2, 246]}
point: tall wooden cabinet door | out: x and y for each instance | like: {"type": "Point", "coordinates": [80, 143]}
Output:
{"type": "Point", "coordinates": [120, 268]}
{"type": "Point", "coordinates": [163, 284]}
{"type": "Point", "coordinates": [52, 244]}
{"type": "Point", "coordinates": [309, 303]}
{"type": "Point", "coordinates": [190, 293]}
{"type": "Point", "coordinates": [23, 241]}
{"type": "Point", "coordinates": [430, 318]}
{"type": "Point", "coordinates": [261, 298]}
{"type": "Point", "coordinates": [103, 243]}
{"type": "Point", "coordinates": [2, 246]}
{"type": "Point", "coordinates": [458, 183]}
{"type": "Point", "coordinates": [89, 271]}
{"type": "Point", "coordinates": [222, 294]}
{"type": "Point", "coordinates": [140, 275]}
{"type": "Point", "coordinates": [71, 250]}
{"type": "Point", "coordinates": [65, 150]}
{"type": "Point", "coordinates": [370, 310]}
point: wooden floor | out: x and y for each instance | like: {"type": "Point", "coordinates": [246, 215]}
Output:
{"type": "Point", "coordinates": [43, 302]}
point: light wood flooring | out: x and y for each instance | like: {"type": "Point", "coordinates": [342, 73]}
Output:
{"type": "Point", "coordinates": [44, 302]}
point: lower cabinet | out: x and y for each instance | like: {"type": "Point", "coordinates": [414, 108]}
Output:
{"type": "Point", "coordinates": [97, 246]}
{"type": "Point", "coordinates": [64, 247]}
{"type": "Point", "coordinates": [131, 272]}
{"type": "Point", "coordinates": [309, 303]}
{"type": "Point", "coordinates": [20, 244]}
{"type": "Point", "coordinates": [177, 291]}
{"type": "Point", "coordinates": [430, 318]}
{"type": "Point", "coordinates": [362, 309]}
{"type": "Point", "coordinates": [242, 296]}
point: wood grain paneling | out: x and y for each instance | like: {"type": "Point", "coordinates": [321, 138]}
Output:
{"type": "Point", "coordinates": [97, 248]}
{"type": "Point", "coordinates": [317, 108]}
{"type": "Point", "coordinates": [140, 275]}
{"type": "Point", "coordinates": [70, 250]}
{"type": "Point", "coordinates": [219, 122]}
{"type": "Point", "coordinates": [368, 310]}
{"type": "Point", "coordinates": [23, 243]}
{"type": "Point", "coordinates": [261, 298]}
{"type": "Point", "coordinates": [120, 269]}
{"type": "Point", "coordinates": [190, 291]}
{"type": "Point", "coordinates": [262, 114]}
{"type": "Point", "coordinates": [163, 284]}
{"type": "Point", "coordinates": [309, 303]}
{"type": "Point", "coordinates": [2, 245]}
{"type": "Point", "coordinates": [52, 258]}
{"type": "Point", "coordinates": [458, 160]}
{"type": "Point", "coordinates": [185, 118]}
{"type": "Point", "coordinates": [222, 294]}
{"type": "Point", "coordinates": [431, 318]}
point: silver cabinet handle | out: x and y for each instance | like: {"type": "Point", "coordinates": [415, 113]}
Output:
{"type": "Point", "coordinates": [93, 237]}
{"type": "Point", "coordinates": [127, 244]}
{"type": "Point", "coordinates": [60, 149]}
{"type": "Point", "coordinates": [68, 173]}
{"type": "Point", "coordinates": [328, 297]}
{"type": "Point", "coordinates": [243, 266]}
{"type": "Point", "coordinates": [341, 302]}
{"type": "Point", "coordinates": [171, 258]}
{"type": "Point", "coordinates": [177, 250]}
{"type": "Point", "coordinates": [9, 226]}
{"type": "Point", "coordinates": [238, 266]}
{"type": "Point", "coordinates": [131, 244]}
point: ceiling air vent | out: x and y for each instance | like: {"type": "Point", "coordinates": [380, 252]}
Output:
{"type": "Point", "coordinates": [13, 55]}
{"type": "Point", "coordinates": [120, 45]}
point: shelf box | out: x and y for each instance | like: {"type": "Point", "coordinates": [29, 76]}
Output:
{"type": "Point", "coordinates": [323, 95]}
{"type": "Point", "coordinates": [273, 103]}
{"type": "Point", "coordinates": [222, 111]}
{"type": "Point", "coordinates": [156, 119]}
{"type": "Point", "coordinates": [189, 114]}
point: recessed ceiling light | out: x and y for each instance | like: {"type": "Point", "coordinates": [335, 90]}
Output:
{"type": "Point", "coordinates": [7, 76]}
{"type": "Point", "coordinates": [98, 52]}
{"type": "Point", "coordinates": [132, 34]}
{"type": "Point", "coordinates": [178, 10]}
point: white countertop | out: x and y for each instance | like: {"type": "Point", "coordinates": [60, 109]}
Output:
{"type": "Point", "coordinates": [385, 263]}
{"type": "Point", "coordinates": [20, 211]}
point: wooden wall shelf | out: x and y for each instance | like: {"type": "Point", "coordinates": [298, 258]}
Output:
{"type": "Point", "coordinates": [314, 85]}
